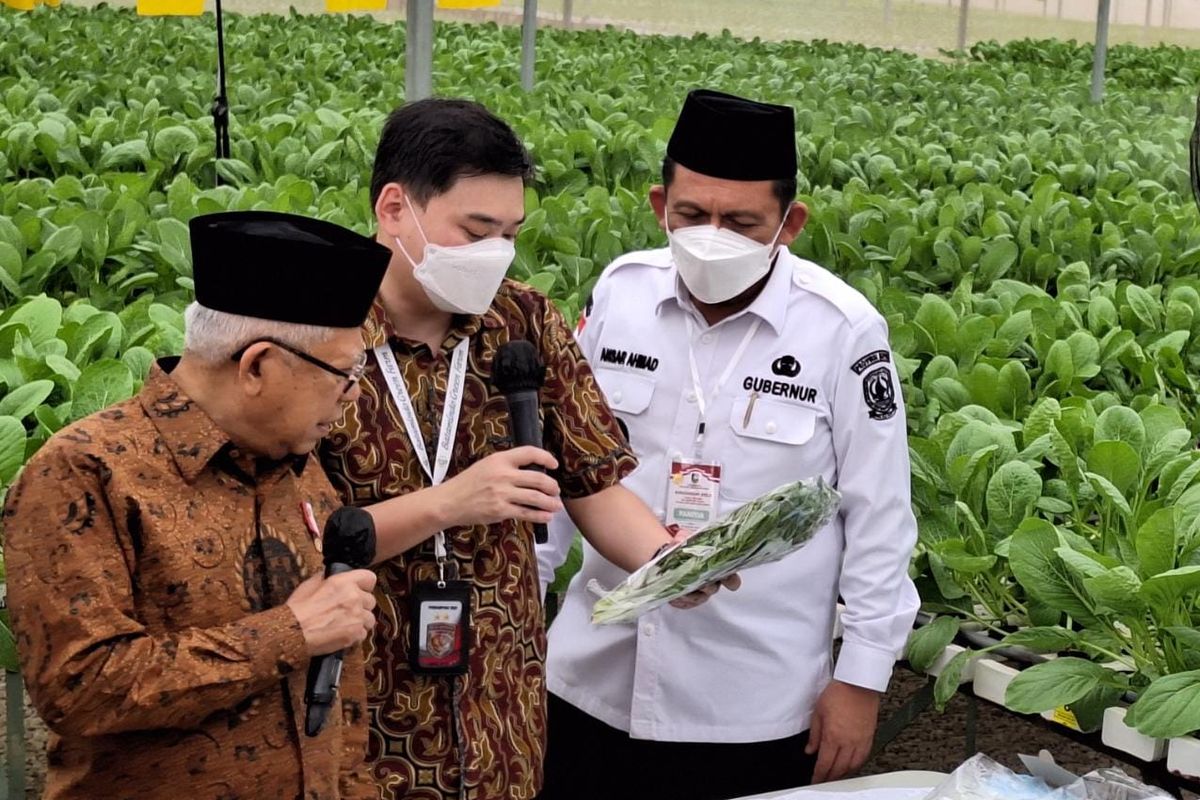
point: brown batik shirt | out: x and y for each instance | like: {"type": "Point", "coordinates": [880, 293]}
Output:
{"type": "Point", "coordinates": [495, 750]}
{"type": "Point", "coordinates": [148, 564]}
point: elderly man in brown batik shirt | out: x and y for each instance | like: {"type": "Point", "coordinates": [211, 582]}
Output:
{"type": "Point", "coordinates": [163, 555]}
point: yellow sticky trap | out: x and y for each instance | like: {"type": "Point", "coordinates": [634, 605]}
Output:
{"type": "Point", "coordinates": [1065, 717]}
{"type": "Point", "coordinates": [170, 8]}
{"type": "Point", "coordinates": [20, 5]}
{"type": "Point", "coordinates": [467, 3]}
{"type": "Point", "coordinates": [343, 6]}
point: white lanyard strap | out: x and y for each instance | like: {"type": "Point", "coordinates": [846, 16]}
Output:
{"type": "Point", "coordinates": [449, 425]}
{"type": "Point", "coordinates": [730, 366]}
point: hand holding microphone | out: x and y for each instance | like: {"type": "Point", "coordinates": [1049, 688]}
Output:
{"type": "Point", "coordinates": [518, 372]}
{"type": "Point", "coordinates": [335, 611]}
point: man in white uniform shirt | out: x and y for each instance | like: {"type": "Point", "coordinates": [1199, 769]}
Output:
{"type": "Point", "coordinates": [737, 367]}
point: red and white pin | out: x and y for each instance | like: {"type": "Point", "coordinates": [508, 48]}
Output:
{"type": "Point", "coordinates": [310, 522]}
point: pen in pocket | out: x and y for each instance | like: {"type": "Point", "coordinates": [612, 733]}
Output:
{"type": "Point", "coordinates": [749, 410]}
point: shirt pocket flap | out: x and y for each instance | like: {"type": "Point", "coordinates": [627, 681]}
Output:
{"type": "Point", "coordinates": [625, 392]}
{"type": "Point", "coordinates": [772, 420]}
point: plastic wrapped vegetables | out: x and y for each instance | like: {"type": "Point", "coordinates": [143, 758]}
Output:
{"type": "Point", "coordinates": [763, 530]}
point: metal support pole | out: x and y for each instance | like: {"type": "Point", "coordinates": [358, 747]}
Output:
{"type": "Point", "coordinates": [14, 785]}
{"type": "Point", "coordinates": [220, 106]}
{"type": "Point", "coordinates": [904, 716]}
{"type": "Point", "coordinates": [1060, 2]}
{"type": "Point", "coordinates": [963, 9]}
{"type": "Point", "coordinates": [528, 43]}
{"type": "Point", "coordinates": [1194, 156]}
{"type": "Point", "coordinates": [1101, 55]}
{"type": "Point", "coordinates": [418, 55]}
{"type": "Point", "coordinates": [1149, 9]}
{"type": "Point", "coordinates": [568, 12]}
{"type": "Point", "coordinates": [887, 15]}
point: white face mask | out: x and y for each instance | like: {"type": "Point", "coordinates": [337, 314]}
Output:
{"type": "Point", "coordinates": [717, 264]}
{"type": "Point", "coordinates": [462, 279]}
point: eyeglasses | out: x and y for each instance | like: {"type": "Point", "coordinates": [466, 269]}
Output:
{"type": "Point", "coordinates": [352, 376]}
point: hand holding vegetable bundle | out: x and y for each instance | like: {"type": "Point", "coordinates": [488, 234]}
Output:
{"type": "Point", "coordinates": [764, 530]}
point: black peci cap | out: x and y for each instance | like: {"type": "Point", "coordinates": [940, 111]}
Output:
{"type": "Point", "coordinates": [286, 268]}
{"type": "Point", "coordinates": [725, 136]}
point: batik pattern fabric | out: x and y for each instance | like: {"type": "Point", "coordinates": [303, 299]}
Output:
{"type": "Point", "coordinates": [492, 748]}
{"type": "Point", "coordinates": [149, 561]}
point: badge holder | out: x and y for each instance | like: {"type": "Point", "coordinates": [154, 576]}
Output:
{"type": "Point", "coordinates": [694, 485]}
{"type": "Point", "coordinates": [440, 641]}
{"type": "Point", "coordinates": [440, 614]}
{"type": "Point", "coordinates": [692, 493]}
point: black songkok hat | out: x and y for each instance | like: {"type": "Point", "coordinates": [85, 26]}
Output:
{"type": "Point", "coordinates": [729, 137]}
{"type": "Point", "coordinates": [286, 268]}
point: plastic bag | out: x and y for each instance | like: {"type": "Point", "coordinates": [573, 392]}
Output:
{"type": "Point", "coordinates": [1108, 784]}
{"type": "Point", "coordinates": [766, 529]}
{"type": "Point", "coordinates": [981, 778]}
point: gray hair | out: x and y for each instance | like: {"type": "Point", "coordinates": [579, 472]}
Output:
{"type": "Point", "coordinates": [214, 336]}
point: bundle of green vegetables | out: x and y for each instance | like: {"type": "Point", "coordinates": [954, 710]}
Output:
{"type": "Point", "coordinates": [764, 530]}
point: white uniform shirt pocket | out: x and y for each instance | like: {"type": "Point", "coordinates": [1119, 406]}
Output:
{"type": "Point", "coordinates": [768, 447]}
{"type": "Point", "coordinates": [626, 392]}
{"type": "Point", "coordinates": [771, 420]}
{"type": "Point", "coordinates": [629, 396]}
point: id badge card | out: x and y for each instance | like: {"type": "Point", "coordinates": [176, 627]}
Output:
{"type": "Point", "coordinates": [692, 494]}
{"type": "Point", "coordinates": [441, 628]}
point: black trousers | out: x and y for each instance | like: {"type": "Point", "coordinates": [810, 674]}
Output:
{"type": "Point", "coordinates": [588, 759]}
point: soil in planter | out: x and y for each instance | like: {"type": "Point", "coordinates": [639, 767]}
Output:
{"type": "Point", "coordinates": [937, 741]}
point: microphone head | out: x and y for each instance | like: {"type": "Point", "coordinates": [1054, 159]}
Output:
{"type": "Point", "coordinates": [518, 367]}
{"type": "Point", "coordinates": [349, 538]}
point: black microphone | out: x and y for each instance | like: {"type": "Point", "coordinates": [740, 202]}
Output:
{"type": "Point", "coordinates": [519, 373]}
{"type": "Point", "coordinates": [348, 543]}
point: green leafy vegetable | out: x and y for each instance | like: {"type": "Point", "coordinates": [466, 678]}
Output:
{"type": "Point", "coordinates": [764, 530]}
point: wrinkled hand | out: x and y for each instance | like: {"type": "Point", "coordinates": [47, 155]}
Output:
{"type": "Point", "coordinates": [701, 595]}
{"type": "Point", "coordinates": [843, 730]}
{"type": "Point", "coordinates": [496, 488]}
{"type": "Point", "coordinates": [334, 613]}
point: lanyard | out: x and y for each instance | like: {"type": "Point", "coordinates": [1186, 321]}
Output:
{"type": "Point", "coordinates": [449, 426]}
{"type": "Point", "coordinates": [697, 388]}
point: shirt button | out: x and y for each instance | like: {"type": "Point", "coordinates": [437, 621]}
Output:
{"type": "Point", "coordinates": [617, 395]}
{"type": "Point", "coordinates": [648, 629]}
{"type": "Point", "coordinates": [235, 453]}
{"type": "Point", "coordinates": [771, 427]}
{"type": "Point", "coordinates": [691, 397]}
{"type": "Point", "coordinates": [706, 338]}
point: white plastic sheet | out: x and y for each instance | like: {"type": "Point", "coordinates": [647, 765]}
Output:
{"type": "Point", "coordinates": [862, 794]}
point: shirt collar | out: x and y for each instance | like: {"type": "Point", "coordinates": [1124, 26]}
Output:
{"type": "Point", "coordinates": [190, 434]}
{"type": "Point", "coordinates": [378, 328]}
{"type": "Point", "coordinates": [771, 304]}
